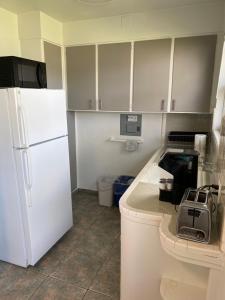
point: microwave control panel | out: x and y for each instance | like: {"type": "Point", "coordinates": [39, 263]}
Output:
{"type": "Point", "coordinates": [130, 124]}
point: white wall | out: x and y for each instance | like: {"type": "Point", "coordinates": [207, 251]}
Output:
{"type": "Point", "coordinates": [188, 20]}
{"type": "Point", "coordinates": [96, 156]}
{"type": "Point", "coordinates": [34, 28]}
{"type": "Point", "coordinates": [9, 37]}
{"type": "Point", "coordinates": [51, 29]}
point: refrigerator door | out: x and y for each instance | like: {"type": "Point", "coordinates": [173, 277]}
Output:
{"type": "Point", "coordinates": [37, 115]}
{"type": "Point", "coordinates": [12, 223]}
{"type": "Point", "coordinates": [45, 186]}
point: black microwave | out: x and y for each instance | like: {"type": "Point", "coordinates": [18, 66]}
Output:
{"type": "Point", "coordinates": [21, 72]}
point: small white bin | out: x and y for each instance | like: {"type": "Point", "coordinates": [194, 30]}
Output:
{"type": "Point", "coordinates": [105, 190]}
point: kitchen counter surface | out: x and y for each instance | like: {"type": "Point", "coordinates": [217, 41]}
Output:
{"type": "Point", "coordinates": [145, 197]}
{"type": "Point", "coordinates": [141, 202]}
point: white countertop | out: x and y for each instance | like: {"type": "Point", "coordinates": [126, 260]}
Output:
{"type": "Point", "coordinates": [141, 203]}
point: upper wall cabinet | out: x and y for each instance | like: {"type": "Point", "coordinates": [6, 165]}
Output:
{"type": "Point", "coordinates": [193, 73]}
{"type": "Point", "coordinates": [81, 77]}
{"type": "Point", "coordinates": [114, 76]}
{"type": "Point", "coordinates": [53, 59]}
{"type": "Point", "coordinates": [151, 75]}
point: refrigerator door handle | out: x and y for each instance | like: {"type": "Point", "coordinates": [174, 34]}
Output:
{"type": "Point", "coordinates": [27, 174]}
{"type": "Point", "coordinates": [22, 132]}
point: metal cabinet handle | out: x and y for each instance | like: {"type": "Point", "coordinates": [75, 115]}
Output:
{"type": "Point", "coordinates": [162, 105]}
{"type": "Point", "coordinates": [90, 104]}
{"type": "Point", "coordinates": [99, 104]}
{"type": "Point", "coordinates": [173, 104]}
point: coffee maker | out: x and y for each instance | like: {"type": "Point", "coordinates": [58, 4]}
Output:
{"type": "Point", "coordinates": [183, 165]}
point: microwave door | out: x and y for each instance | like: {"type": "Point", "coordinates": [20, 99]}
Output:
{"type": "Point", "coordinates": [41, 75]}
{"type": "Point", "coordinates": [29, 75]}
{"type": "Point", "coordinates": [19, 79]}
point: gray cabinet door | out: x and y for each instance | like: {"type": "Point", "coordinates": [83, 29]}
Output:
{"type": "Point", "coordinates": [151, 75]}
{"type": "Point", "coordinates": [80, 61]}
{"type": "Point", "coordinates": [53, 59]}
{"type": "Point", "coordinates": [193, 73]}
{"type": "Point", "coordinates": [114, 76]}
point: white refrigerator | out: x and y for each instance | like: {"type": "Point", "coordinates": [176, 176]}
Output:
{"type": "Point", "coordinates": [35, 192]}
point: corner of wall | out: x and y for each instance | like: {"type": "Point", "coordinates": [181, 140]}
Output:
{"type": "Point", "coordinates": [51, 29]}
{"type": "Point", "coordinates": [34, 27]}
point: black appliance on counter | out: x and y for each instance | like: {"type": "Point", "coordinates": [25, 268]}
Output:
{"type": "Point", "coordinates": [183, 165]}
{"type": "Point", "coordinates": [182, 139]}
{"type": "Point", "coordinates": [21, 72]}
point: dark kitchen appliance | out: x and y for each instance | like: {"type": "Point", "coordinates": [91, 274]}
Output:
{"type": "Point", "coordinates": [21, 72]}
{"type": "Point", "coordinates": [183, 165]}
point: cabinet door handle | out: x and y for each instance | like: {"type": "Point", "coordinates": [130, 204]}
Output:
{"type": "Point", "coordinates": [99, 104]}
{"type": "Point", "coordinates": [173, 105]}
{"type": "Point", "coordinates": [162, 105]}
{"type": "Point", "coordinates": [90, 104]}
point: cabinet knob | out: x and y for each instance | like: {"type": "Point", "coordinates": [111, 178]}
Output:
{"type": "Point", "coordinates": [90, 104]}
{"type": "Point", "coordinates": [162, 105]}
{"type": "Point", "coordinates": [173, 104]}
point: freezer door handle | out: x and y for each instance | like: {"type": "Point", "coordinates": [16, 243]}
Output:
{"type": "Point", "coordinates": [27, 174]}
{"type": "Point", "coordinates": [22, 132]}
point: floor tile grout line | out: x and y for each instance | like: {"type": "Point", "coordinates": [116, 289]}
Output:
{"type": "Point", "coordinates": [51, 276]}
{"type": "Point", "coordinates": [38, 287]}
{"type": "Point", "coordinates": [76, 284]}
{"type": "Point", "coordinates": [103, 264]}
{"type": "Point", "coordinates": [99, 293]}
{"type": "Point", "coordinates": [84, 294]}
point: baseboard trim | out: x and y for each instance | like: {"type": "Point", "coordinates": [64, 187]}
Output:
{"type": "Point", "coordinates": [91, 192]}
{"type": "Point", "coordinates": [74, 190]}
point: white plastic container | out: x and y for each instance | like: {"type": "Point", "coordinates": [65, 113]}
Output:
{"type": "Point", "coordinates": [105, 190]}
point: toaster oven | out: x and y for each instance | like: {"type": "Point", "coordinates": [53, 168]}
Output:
{"type": "Point", "coordinates": [194, 220]}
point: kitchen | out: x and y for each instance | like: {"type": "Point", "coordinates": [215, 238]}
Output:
{"type": "Point", "coordinates": [101, 55]}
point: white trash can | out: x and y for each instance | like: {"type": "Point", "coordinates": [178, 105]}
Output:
{"type": "Point", "coordinates": [105, 190]}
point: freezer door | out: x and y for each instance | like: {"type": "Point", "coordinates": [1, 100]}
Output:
{"type": "Point", "coordinates": [37, 115]}
{"type": "Point", "coordinates": [45, 185]}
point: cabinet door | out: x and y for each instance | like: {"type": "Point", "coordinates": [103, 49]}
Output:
{"type": "Point", "coordinates": [53, 59]}
{"type": "Point", "coordinates": [114, 76]}
{"type": "Point", "coordinates": [193, 73]}
{"type": "Point", "coordinates": [81, 77]}
{"type": "Point", "coordinates": [151, 75]}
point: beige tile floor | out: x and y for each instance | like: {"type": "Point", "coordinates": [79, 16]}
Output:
{"type": "Point", "coordinates": [83, 265]}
